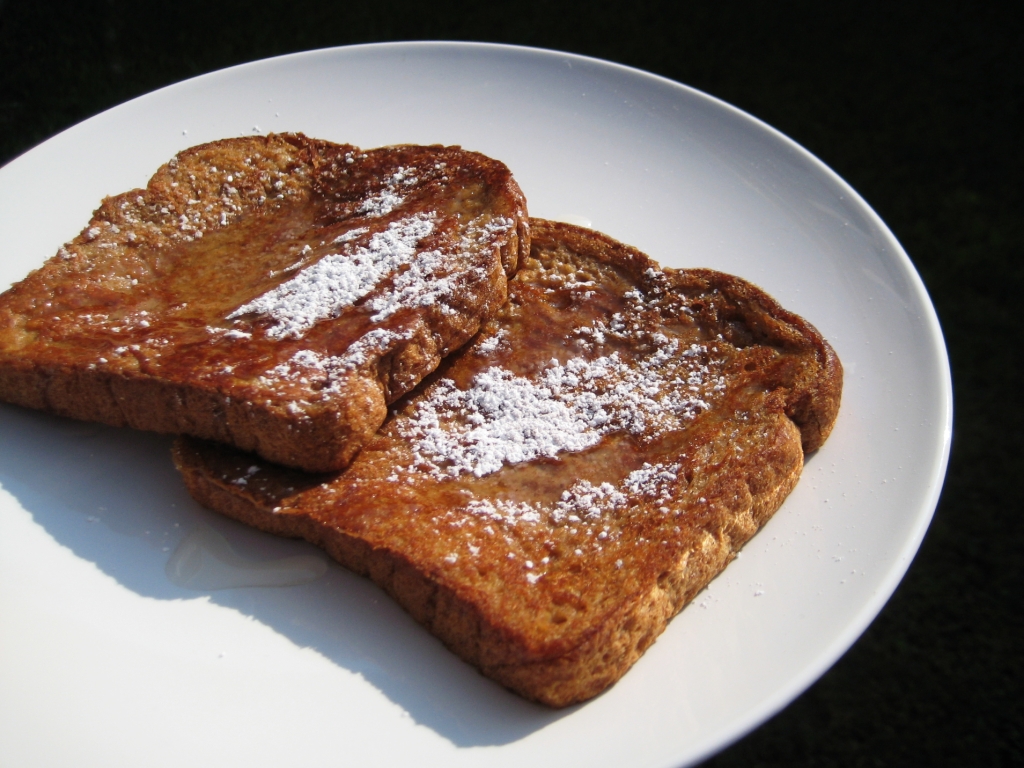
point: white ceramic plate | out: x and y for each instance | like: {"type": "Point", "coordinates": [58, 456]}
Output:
{"type": "Point", "coordinates": [107, 660]}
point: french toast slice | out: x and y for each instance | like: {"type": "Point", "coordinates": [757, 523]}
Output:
{"type": "Point", "coordinates": [563, 485]}
{"type": "Point", "coordinates": [272, 292]}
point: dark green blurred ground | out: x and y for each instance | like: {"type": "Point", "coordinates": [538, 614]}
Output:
{"type": "Point", "coordinates": [918, 107]}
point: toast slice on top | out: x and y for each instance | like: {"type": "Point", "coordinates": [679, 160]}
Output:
{"type": "Point", "coordinates": [272, 292]}
{"type": "Point", "coordinates": [568, 481]}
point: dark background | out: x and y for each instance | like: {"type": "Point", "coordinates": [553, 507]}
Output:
{"type": "Point", "coordinates": [918, 106]}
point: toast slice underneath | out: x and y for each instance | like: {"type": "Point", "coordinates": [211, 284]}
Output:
{"type": "Point", "coordinates": [272, 292]}
{"type": "Point", "coordinates": [567, 482]}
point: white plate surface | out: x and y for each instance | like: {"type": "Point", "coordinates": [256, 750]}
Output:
{"type": "Point", "coordinates": [106, 661]}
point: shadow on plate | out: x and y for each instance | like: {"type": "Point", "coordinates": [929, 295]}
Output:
{"type": "Point", "coordinates": [113, 497]}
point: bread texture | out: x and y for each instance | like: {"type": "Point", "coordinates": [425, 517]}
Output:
{"type": "Point", "coordinates": [271, 292]}
{"type": "Point", "coordinates": [562, 486]}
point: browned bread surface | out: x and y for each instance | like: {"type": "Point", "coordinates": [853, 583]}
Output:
{"type": "Point", "coordinates": [272, 292]}
{"type": "Point", "coordinates": [567, 482]}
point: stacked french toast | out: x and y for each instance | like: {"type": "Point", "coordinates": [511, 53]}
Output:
{"type": "Point", "coordinates": [542, 444]}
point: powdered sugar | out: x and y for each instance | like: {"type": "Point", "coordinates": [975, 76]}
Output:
{"type": "Point", "coordinates": [304, 367]}
{"type": "Point", "coordinates": [652, 481]}
{"type": "Point", "coordinates": [433, 276]}
{"type": "Point", "coordinates": [584, 503]}
{"type": "Point", "coordinates": [337, 281]}
{"type": "Point", "coordinates": [492, 343]}
{"type": "Point", "coordinates": [589, 517]}
{"type": "Point", "coordinates": [508, 512]}
{"type": "Point", "coordinates": [584, 500]}
{"type": "Point", "coordinates": [507, 419]}
{"type": "Point", "coordinates": [421, 278]}
{"type": "Point", "coordinates": [421, 285]}
{"type": "Point", "coordinates": [372, 344]}
{"type": "Point", "coordinates": [352, 234]}
{"type": "Point", "coordinates": [308, 367]}
{"type": "Point", "coordinates": [389, 197]}
{"type": "Point", "coordinates": [504, 419]}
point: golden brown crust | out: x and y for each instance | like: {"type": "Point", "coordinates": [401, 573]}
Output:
{"type": "Point", "coordinates": [172, 311]}
{"type": "Point", "coordinates": [552, 573]}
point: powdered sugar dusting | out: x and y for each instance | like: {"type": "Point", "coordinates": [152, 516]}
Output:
{"type": "Point", "coordinates": [370, 345]}
{"type": "Point", "coordinates": [389, 197]}
{"type": "Point", "coordinates": [589, 516]}
{"type": "Point", "coordinates": [308, 367]}
{"type": "Point", "coordinates": [505, 511]}
{"type": "Point", "coordinates": [584, 500]}
{"type": "Point", "coordinates": [492, 343]}
{"type": "Point", "coordinates": [650, 480]}
{"type": "Point", "coordinates": [431, 277]}
{"type": "Point", "coordinates": [337, 281]}
{"type": "Point", "coordinates": [420, 278]}
{"type": "Point", "coordinates": [421, 285]}
{"type": "Point", "coordinates": [305, 367]}
{"type": "Point", "coordinates": [507, 419]}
